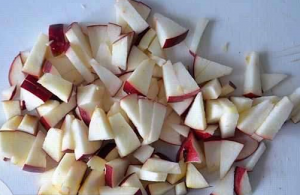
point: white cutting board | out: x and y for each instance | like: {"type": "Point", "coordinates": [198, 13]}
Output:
{"type": "Point", "coordinates": [269, 26]}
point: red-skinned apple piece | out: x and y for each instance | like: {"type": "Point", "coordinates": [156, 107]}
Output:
{"type": "Point", "coordinates": [29, 124]}
{"type": "Point", "coordinates": [53, 144]}
{"type": "Point", "coordinates": [207, 133]}
{"type": "Point", "coordinates": [200, 28]}
{"type": "Point", "coordinates": [225, 185]}
{"type": "Point", "coordinates": [161, 166]}
{"type": "Point", "coordinates": [9, 93]}
{"type": "Point", "coordinates": [58, 44]}
{"type": "Point", "coordinates": [242, 184]}
{"type": "Point", "coordinates": [115, 171]}
{"type": "Point", "coordinates": [211, 90]}
{"type": "Point", "coordinates": [143, 153]}
{"type": "Point", "coordinates": [11, 108]}
{"type": "Point", "coordinates": [97, 34]}
{"type": "Point", "coordinates": [158, 188]}
{"type": "Point", "coordinates": [241, 103]}
{"type": "Point", "coordinates": [135, 58]}
{"type": "Point", "coordinates": [194, 178]}
{"type": "Point", "coordinates": [147, 39]}
{"type": "Point", "coordinates": [12, 124]}
{"type": "Point", "coordinates": [133, 180]}
{"type": "Point", "coordinates": [15, 75]}
{"type": "Point", "coordinates": [212, 154]}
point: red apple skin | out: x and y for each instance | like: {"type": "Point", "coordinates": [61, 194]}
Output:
{"type": "Point", "coordinates": [192, 53]}
{"type": "Point", "coordinates": [175, 40]}
{"type": "Point", "coordinates": [34, 169]}
{"type": "Point", "coordinates": [202, 135]}
{"type": "Point", "coordinates": [85, 116]}
{"type": "Point", "coordinates": [106, 150]}
{"type": "Point", "coordinates": [47, 66]}
{"type": "Point", "coordinates": [45, 123]}
{"type": "Point", "coordinates": [59, 44]}
{"type": "Point", "coordinates": [129, 89]}
{"type": "Point", "coordinates": [238, 176]}
{"type": "Point", "coordinates": [109, 176]}
{"type": "Point", "coordinates": [173, 99]}
{"type": "Point", "coordinates": [68, 151]}
{"type": "Point", "coordinates": [10, 76]}
{"type": "Point", "coordinates": [251, 95]}
{"type": "Point", "coordinates": [6, 159]}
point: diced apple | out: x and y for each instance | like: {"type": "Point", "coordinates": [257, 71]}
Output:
{"type": "Point", "coordinates": [15, 75]}
{"type": "Point", "coordinates": [135, 58]}
{"type": "Point", "coordinates": [170, 136]}
{"type": "Point", "coordinates": [181, 129]}
{"type": "Point", "coordinates": [252, 83]}
{"type": "Point", "coordinates": [241, 103]}
{"type": "Point", "coordinates": [207, 133]}
{"type": "Point", "coordinates": [268, 81]}
{"type": "Point", "coordinates": [159, 188]}
{"type": "Point", "coordinates": [211, 90]}
{"type": "Point", "coordinates": [113, 31]}
{"type": "Point", "coordinates": [12, 124]}
{"type": "Point", "coordinates": [11, 108]}
{"type": "Point", "coordinates": [146, 113]}
{"type": "Point", "coordinates": [33, 64]}
{"type": "Point", "coordinates": [92, 184]}
{"type": "Point", "coordinates": [97, 34]}
{"type": "Point", "coordinates": [242, 184]}
{"type": "Point", "coordinates": [143, 9]}
{"type": "Point", "coordinates": [214, 111]}
{"type": "Point", "coordinates": [115, 171]}
{"type": "Point", "coordinates": [130, 105]}
{"type": "Point", "coordinates": [29, 124]}
{"type": "Point", "coordinates": [225, 185]}
{"type": "Point", "coordinates": [57, 38]}
{"type": "Point", "coordinates": [143, 153]}
{"type": "Point", "coordinates": [53, 144]}
{"type": "Point", "coordinates": [169, 32]}
{"type": "Point", "coordinates": [196, 115]}
{"type": "Point", "coordinates": [213, 154]}
{"type": "Point", "coordinates": [147, 39]}
{"type": "Point", "coordinates": [194, 178]}
{"type": "Point", "coordinates": [133, 169]}
{"type": "Point", "coordinates": [125, 138]}
{"type": "Point", "coordinates": [273, 99]}
{"type": "Point", "coordinates": [68, 143]}
{"type": "Point", "coordinates": [200, 28]}
{"type": "Point", "coordinates": [133, 181]}
{"type": "Point", "coordinates": [153, 89]}
{"type": "Point", "coordinates": [161, 166]}
{"type": "Point", "coordinates": [155, 49]}
{"type": "Point", "coordinates": [205, 70]}
{"type": "Point", "coordinates": [227, 89]}
{"type": "Point", "coordinates": [152, 176]}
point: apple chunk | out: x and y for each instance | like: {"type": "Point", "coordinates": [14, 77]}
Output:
{"type": "Point", "coordinates": [15, 75]}
{"type": "Point", "coordinates": [161, 166]}
{"type": "Point", "coordinates": [115, 171]}
{"type": "Point", "coordinates": [194, 178]}
{"type": "Point", "coordinates": [11, 108]}
{"type": "Point", "coordinates": [57, 38]}
{"type": "Point", "coordinates": [200, 28]}
{"type": "Point", "coordinates": [29, 124]}
{"type": "Point", "coordinates": [225, 185]}
{"type": "Point", "coordinates": [12, 124]}
{"type": "Point", "coordinates": [53, 143]}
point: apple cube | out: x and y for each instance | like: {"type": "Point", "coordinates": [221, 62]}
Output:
{"type": "Point", "coordinates": [135, 58]}
{"type": "Point", "coordinates": [12, 124]}
{"type": "Point", "coordinates": [161, 166]}
{"type": "Point", "coordinates": [11, 108]}
{"type": "Point", "coordinates": [199, 31]}
{"type": "Point", "coordinates": [158, 188]}
{"type": "Point", "coordinates": [97, 34]}
{"type": "Point", "coordinates": [53, 144]}
{"type": "Point", "coordinates": [68, 143]}
{"type": "Point", "coordinates": [211, 90]}
{"type": "Point", "coordinates": [194, 178]}
{"type": "Point", "coordinates": [241, 103]}
{"type": "Point", "coordinates": [57, 38]}
{"type": "Point", "coordinates": [29, 124]}
{"type": "Point", "coordinates": [15, 75]}
{"type": "Point", "coordinates": [115, 171]}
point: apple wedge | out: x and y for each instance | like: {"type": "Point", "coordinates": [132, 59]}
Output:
{"type": "Point", "coordinates": [12, 124]}
{"type": "Point", "coordinates": [33, 65]}
{"type": "Point", "coordinates": [57, 86]}
{"type": "Point", "coordinates": [156, 50]}
{"type": "Point", "coordinates": [241, 103]}
{"type": "Point", "coordinates": [47, 107]}
{"type": "Point", "coordinates": [11, 108]}
{"type": "Point", "coordinates": [273, 99]}
{"type": "Point", "coordinates": [58, 113]}
{"type": "Point", "coordinates": [135, 58]}
{"type": "Point", "coordinates": [212, 154]}
{"type": "Point", "coordinates": [83, 147]}
{"type": "Point", "coordinates": [181, 129]}
{"type": "Point", "coordinates": [143, 153]}
{"type": "Point", "coordinates": [194, 178]}
{"type": "Point", "coordinates": [196, 116]}
{"type": "Point", "coordinates": [214, 111]}
{"type": "Point", "coordinates": [53, 144]}
{"type": "Point", "coordinates": [133, 180]}
{"type": "Point", "coordinates": [274, 121]}
{"type": "Point", "coordinates": [146, 113]}
{"type": "Point", "coordinates": [120, 50]}
{"type": "Point", "coordinates": [181, 107]}
{"type": "Point", "coordinates": [227, 89]}
{"type": "Point", "coordinates": [113, 32]}
{"type": "Point", "coordinates": [142, 73]}
{"type": "Point", "coordinates": [230, 150]}
{"type": "Point", "coordinates": [73, 178]}
{"type": "Point", "coordinates": [147, 39]}
{"type": "Point", "coordinates": [15, 75]}
{"type": "Point", "coordinates": [206, 70]}
{"type": "Point", "coordinates": [152, 176]}
{"type": "Point", "coordinates": [116, 108]}
{"type": "Point", "coordinates": [110, 81]}
{"type": "Point", "coordinates": [92, 183]}
{"type": "Point", "coordinates": [199, 31]}
{"type": "Point", "coordinates": [180, 189]}
{"type": "Point", "coordinates": [97, 34]}
{"type": "Point", "coordinates": [211, 90]}
{"type": "Point", "coordinates": [29, 124]}
{"type": "Point", "coordinates": [131, 16]}
{"type": "Point", "coordinates": [77, 38]}
{"type": "Point", "coordinates": [133, 169]}
{"type": "Point", "coordinates": [161, 166]}
{"type": "Point", "coordinates": [115, 171]}
{"type": "Point", "coordinates": [252, 83]}
{"type": "Point", "coordinates": [225, 185]}
{"type": "Point", "coordinates": [99, 128]}
{"type": "Point", "coordinates": [57, 38]}
{"type": "Point", "coordinates": [68, 143]}
{"type": "Point", "coordinates": [170, 136]}
{"type": "Point", "coordinates": [169, 33]}
{"type": "Point", "coordinates": [174, 178]}
{"type": "Point", "coordinates": [9, 93]}
{"type": "Point", "coordinates": [36, 160]}
{"type": "Point", "coordinates": [250, 120]}
{"type": "Point", "coordinates": [242, 184]}
{"type": "Point", "coordinates": [158, 188]}
{"type": "Point", "coordinates": [88, 94]}
{"type": "Point", "coordinates": [207, 133]}
{"type": "Point", "coordinates": [131, 106]}
{"type": "Point", "coordinates": [125, 138]}
{"type": "Point", "coordinates": [268, 81]}
{"type": "Point", "coordinates": [153, 89]}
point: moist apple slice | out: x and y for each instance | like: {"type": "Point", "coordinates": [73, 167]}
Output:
{"type": "Point", "coordinates": [142, 73]}
{"type": "Point", "coordinates": [211, 90]}
{"type": "Point", "coordinates": [97, 34]}
{"type": "Point", "coordinates": [99, 128]}
{"type": "Point", "coordinates": [68, 143]}
{"type": "Point", "coordinates": [194, 178]}
{"type": "Point", "coordinates": [12, 124]}
{"type": "Point", "coordinates": [252, 83]}
{"type": "Point", "coordinates": [53, 144]}
{"type": "Point", "coordinates": [73, 178]}
{"type": "Point", "coordinates": [76, 37]}
{"type": "Point", "coordinates": [159, 188]}
{"type": "Point", "coordinates": [111, 82]}
{"type": "Point", "coordinates": [113, 31]}
{"type": "Point", "coordinates": [133, 181]}
{"type": "Point", "coordinates": [229, 153]}
{"type": "Point", "coordinates": [225, 185]}
{"type": "Point", "coordinates": [212, 154]}
{"type": "Point", "coordinates": [147, 39]}
{"type": "Point", "coordinates": [93, 182]}
{"type": "Point", "coordinates": [62, 169]}
{"type": "Point", "coordinates": [116, 108]}
{"type": "Point", "coordinates": [169, 32]}
{"type": "Point", "coordinates": [120, 50]}
{"type": "Point", "coordinates": [36, 160]}
{"type": "Point", "coordinates": [56, 85]}
{"type": "Point", "coordinates": [83, 147]}
{"type": "Point", "coordinates": [33, 64]}
{"type": "Point", "coordinates": [143, 153]}
{"type": "Point", "coordinates": [125, 138]}
{"type": "Point", "coordinates": [135, 58]}
{"type": "Point", "coordinates": [229, 118]}
{"type": "Point", "coordinates": [241, 103]}
{"type": "Point", "coordinates": [146, 113]}
{"type": "Point", "coordinates": [180, 188]}
{"type": "Point", "coordinates": [47, 107]}
{"type": "Point", "coordinates": [11, 108]}
{"type": "Point", "coordinates": [15, 75]}
{"type": "Point", "coordinates": [207, 133]}
{"type": "Point", "coordinates": [214, 111]}
{"type": "Point", "coordinates": [29, 124]}
{"type": "Point", "coordinates": [250, 120]}
{"type": "Point", "coordinates": [161, 166]}
{"type": "Point", "coordinates": [152, 176]}
{"type": "Point", "coordinates": [115, 171]}
{"type": "Point", "coordinates": [205, 70]}
{"type": "Point", "coordinates": [200, 28]}
{"type": "Point", "coordinates": [268, 81]}
{"type": "Point", "coordinates": [57, 38]}
{"type": "Point", "coordinates": [227, 89]}
{"type": "Point", "coordinates": [196, 115]}
{"type": "Point", "coordinates": [181, 129]}
{"type": "Point", "coordinates": [156, 50]}
{"type": "Point", "coordinates": [58, 113]}
{"type": "Point", "coordinates": [275, 119]}
{"type": "Point", "coordinates": [89, 94]}
{"type": "Point", "coordinates": [158, 117]}
{"type": "Point", "coordinates": [241, 182]}
{"type": "Point", "coordinates": [131, 16]}
{"type": "Point", "coordinates": [174, 178]}
{"type": "Point", "coordinates": [9, 93]}
{"type": "Point", "coordinates": [170, 136]}
{"type": "Point", "coordinates": [143, 9]}
{"type": "Point", "coordinates": [16, 146]}
{"type": "Point", "coordinates": [131, 106]}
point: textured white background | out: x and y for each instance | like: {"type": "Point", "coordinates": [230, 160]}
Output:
{"type": "Point", "coordinates": [269, 26]}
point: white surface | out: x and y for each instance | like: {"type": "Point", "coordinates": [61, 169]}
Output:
{"type": "Point", "coordinates": [270, 27]}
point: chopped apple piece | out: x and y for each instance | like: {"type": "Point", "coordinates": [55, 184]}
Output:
{"type": "Point", "coordinates": [268, 81]}
{"type": "Point", "coordinates": [155, 49]}
{"type": "Point", "coordinates": [11, 108]}
{"type": "Point", "coordinates": [152, 176]}
{"type": "Point", "coordinates": [12, 124]}
{"type": "Point", "coordinates": [53, 144]}
{"type": "Point", "coordinates": [15, 75]}
{"type": "Point", "coordinates": [200, 28]}
{"type": "Point", "coordinates": [68, 143]}
{"type": "Point", "coordinates": [161, 166]}
{"type": "Point", "coordinates": [57, 38]}
{"type": "Point", "coordinates": [93, 182]}
{"type": "Point", "coordinates": [9, 93]}
{"type": "Point", "coordinates": [97, 34]}
{"type": "Point", "coordinates": [242, 184]}
{"type": "Point", "coordinates": [194, 178]}
{"type": "Point", "coordinates": [159, 188]}
{"type": "Point", "coordinates": [47, 107]}
{"type": "Point", "coordinates": [147, 39]}
{"type": "Point", "coordinates": [29, 124]}
{"type": "Point", "coordinates": [133, 181]}
{"type": "Point", "coordinates": [135, 58]}
{"type": "Point", "coordinates": [211, 90]}
{"type": "Point", "coordinates": [241, 103]}
{"type": "Point", "coordinates": [214, 111]}
{"type": "Point", "coordinates": [227, 89]}
{"type": "Point", "coordinates": [143, 153]}
{"type": "Point", "coordinates": [213, 154]}
{"type": "Point", "coordinates": [115, 171]}
{"type": "Point", "coordinates": [225, 185]}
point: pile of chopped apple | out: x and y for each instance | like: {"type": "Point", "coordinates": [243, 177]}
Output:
{"type": "Point", "coordinates": [97, 99]}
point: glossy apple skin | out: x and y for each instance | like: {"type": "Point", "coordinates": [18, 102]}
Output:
{"type": "Point", "coordinates": [129, 89]}
{"type": "Point", "coordinates": [174, 99]}
{"type": "Point", "coordinates": [59, 44]}
{"type": "Point", "coordinates": [238, 176]}
{"type": "Point", "coordinates": [34, 169]}
{"type": "Point", "coordinates": [175, 40]}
